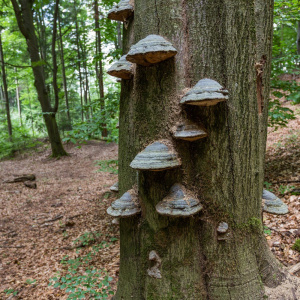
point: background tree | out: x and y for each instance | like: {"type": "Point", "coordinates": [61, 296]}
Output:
{"type": "Point", "coordinates": [228, 41]}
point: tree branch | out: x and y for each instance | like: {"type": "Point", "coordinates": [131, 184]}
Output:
{"type": "Point", "coordinates": [15, 66]}
{"type": "Point", "coordinates": [19, 18]}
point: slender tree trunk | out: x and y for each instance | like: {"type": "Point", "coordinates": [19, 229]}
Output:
{"type": "Point", "coordinates": [99, 66]}
{"type": "Point", "coordinates": [230, 42]}
{"type": "Point", "coordinates": [9, 126]}
{"type": "Point", "coordinates": [18, 98]}
{"type": "Point", "coordinates": [119, 36]}
{"type": "Point", "coordinates": [28, 92]}
{"type": "Point", "coordinates": [64, 71]}
{"type": "Point", "coordinates": [25, 21]}
{"type": "Point", "coordinates": [79, 59]}
{"type": "Point", "coordinates": [298, 40]}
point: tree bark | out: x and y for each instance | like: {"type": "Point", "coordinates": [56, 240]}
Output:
{"type": "Point", "coordinates": [25, 22]}
{"type": "Point", "coordinates": [64, 71]}
{"type": "Point", "coordinates": [18, 98]}
{"type": "Point", "coordinates": [230, 42]}
{"type": "Point", "coordinates": [298, 38]}
{"type": "Point", "coordinates": [5, 92]}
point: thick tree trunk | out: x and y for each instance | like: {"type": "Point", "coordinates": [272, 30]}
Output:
{"type": "Point", "coordinates": [230, 42]}
{"type": "Point", "coordinates": [25, 21]}
{"type": "Point", "coordinates": [5, 91]}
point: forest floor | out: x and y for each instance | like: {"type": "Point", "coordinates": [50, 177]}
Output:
{"type": "Point", "coordinates": [65, 217]}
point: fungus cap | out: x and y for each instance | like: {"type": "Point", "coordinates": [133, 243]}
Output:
{"type": "Point", "coordinates": [156, 157]}
{"type": "Point", "coordinates": [121, 69]}
{"type": "Point", "coordinates": [189, 133]}
{"type": "Point", "coordinates": [115, 187]}
{"type": "Point", "coordinates": [121, 11]}
{"type": "Point", "coordinates": [206, 92]}
{"type": "Point", "coordinates": [126, 206]}
{"type": "Point", "coordinates": [273, 205]}
{"type": "Point", "coordinates": [178, 203]}
{"type": "Point", "coordinates": [151, 50]}
{"type": "Point", "coordinates": [222, 228]}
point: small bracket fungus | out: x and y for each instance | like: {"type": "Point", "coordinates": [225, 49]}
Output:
{"type": "Point", "coordinates": [115, 221]}
{"type": "Point", "coordinates": [115, 187]}
{"type": "Point", "coordinates": [156, 157]}
{"type": "Point", "coordinates": [126, 206]}
{"type": "Point", "coordinates": [273, 205]}
{"type": "Point", "coordinates": [222, 228]}
{"type": "Point", "coordinates": [154, 271]}
{"type": "Point", "coordinates": [178, 203]}
{"type": "Point", "coordinates": [206, 92]}
{"type": "Point", "coordinates": [121, 12]}
{"type": "Point", "coordinates": [121, 69]}
{"type": "Point", "coordinates": [189, 132]}
{"type": "Point", "coordinates": [151, 50]}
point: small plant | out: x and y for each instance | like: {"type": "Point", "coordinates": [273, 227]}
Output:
{"type": "Point", "coordinates": [296, 246]}
{"type": "Point", "coordinates": [30, 281]}
{"type": "Point", "coordinates": [268, 186]}
{"type": "Point", "coordinates": [110, 166]}
{"type": "Point", "coordinates": [11, 291]}
{"type": "Point", "coordinates": [267, 230]}
{"type": "Point", "coordinates": [283, 189]}
{"type": "Point", "coordinates": [87, 238]}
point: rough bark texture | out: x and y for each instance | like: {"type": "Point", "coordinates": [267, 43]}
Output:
{"type": "Point", "coordinates": [230, 42]}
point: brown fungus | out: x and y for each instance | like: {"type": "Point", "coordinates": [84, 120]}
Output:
{"type": "Point", "coordinates": [206, 92]}
{"type": "Point", "coordinates": [189, 132]}
{"type": "Point", "coordinates": [178, 203]}
{"type": "Point", "coordinates": [115, 187]}
{"type": "Point", "coordinates": [121, 69]}
{"type": "Point", "coordinates": [121, 11]}
{"type": "Point", "coordinates": [156, 157]}
{"type": "Point", "coordinates": [126, 206]}
{"type": "Point", "coordinates": [151, 50]}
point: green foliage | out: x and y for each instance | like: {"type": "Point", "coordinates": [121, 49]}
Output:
{"type": "Point", "coordinates": [283, 189]}
{"type": "Point", "coordinates": [296, 246]}
{"type": "Point", "coordinates": [110, 166]}
{"type": "Point", "coordinates": [80, 279]}
{"type": "Point", "coordinates": [267, 230]}
{"type": "Point", "coordinates": [11, 291]}
{"type": "Point", "coordinates": [279, 115]}
{"type": "Point", "coordinates": [268, 186]}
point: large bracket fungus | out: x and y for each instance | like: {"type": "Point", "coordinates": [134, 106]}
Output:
{"type": "Point", "coordinates": [178, 203]}
{"type": "Point", "coordinates": [206, 92]}
{"type": "Point", "coordinates": [121, 11]}
{"type": "Point", "coordinates": [151, 50]}
{"type": "Point", "coordinates": [273, 205]}
{"type": "Point", "coordinates": [156, 157]}
{"type": "Point", "coordinates": [189, 132]}
{"type": "Point", "coordinates": [115, 187]}
{"type": "Point", "coordinates": [121, 69]}
{"type": "Point", "coordinates": [126, 206]}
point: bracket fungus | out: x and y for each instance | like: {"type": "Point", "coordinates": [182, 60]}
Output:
{"type": "Point", "coordinates": [206, 92]}
{"type": "Point", "coordinates": [178, 203]}
{"type": "Point", "coordinates": [273, 205]}
{"type": "Point", "coordinates": [121, 69]}
{"type": "Point", "coordinates": [156, 157]}
{"type": "Point", "coordinates": [151, 50]}
{"type": "Point", "coordinates": [121, 11]}
{"type": "Point", "coordinates": [154, 271]}
{"type": "Point", "coordinates": [222, 228]}
{"type": "Point", "coordinates": [115, 187]}
{"type": "Point", "coordinates": [189, 132]}
{"type": "Point", "coordinates": [126, 206]}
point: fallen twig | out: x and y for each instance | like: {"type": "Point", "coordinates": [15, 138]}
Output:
{"type": "Point", "coordinates": [58, 217]}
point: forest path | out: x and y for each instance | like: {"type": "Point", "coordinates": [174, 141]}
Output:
{"type": "Point", "coordinates": [39, 227]}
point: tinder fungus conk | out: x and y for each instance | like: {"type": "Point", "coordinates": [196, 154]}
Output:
{"type": "Point", "coordinates": [205, 93]}
{"type": "Point", "coordinates": [178, 203]}
{"type": "Point", "coordinates": [189, 132]}
{"type": "Point", "coordinates": [115, 187]}
{"type": "Point", "coordinates": [273, 205]}
{"type": "Point", "coordinates": [222, 228]}
{"type": "Point", "coordinates": [126, 206]}
{"type": "Point", "coordinates": [156, 157]}
{"type": "Point", "coordinates": [121, 11]}
{"type": "Point", "coordinates": [151, 50]}
{"type": "Point", "coordinates": [121, 69]}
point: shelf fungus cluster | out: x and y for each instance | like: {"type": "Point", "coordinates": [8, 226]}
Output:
{"type": "Point", "coordinates": [121, 11]}
{"type": "Point", "coordinates": [189, 132]}
{"type": "Point", "coordinates": [151, 50]}
{"type": "Point", "coordinates": [121, 69]}
{"type": "Point", "coordinates": [273, 205]}
{"type": "Point", "coordinates": [156, 157]}
{"type": "Point", "coordinates": [178, 203]}
{"type": "Point", "coordinates": [206, 92]}
{"type": "Point", "coordinates": [126, 206]}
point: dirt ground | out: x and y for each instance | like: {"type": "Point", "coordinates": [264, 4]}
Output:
{"type": "Point", "coordinates": [66, 214]}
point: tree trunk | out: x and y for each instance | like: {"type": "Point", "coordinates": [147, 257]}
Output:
{"type": "Point", "coordinates": [63, 69]}
{"type": "Point", "coordinates": [230, 42]}
{"type": "Point", "coordinates": [5, 92]}
{"type": "Point", "coordinates": [298, 38]}
{"type": "Point", "coordinates": [18, 99]}
{"type": "Point", "coordinates": [25, 22]}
